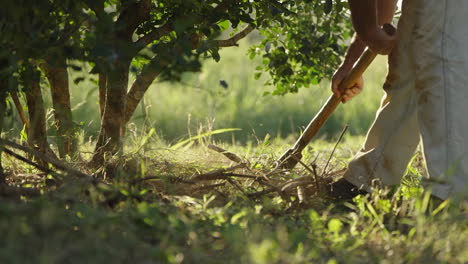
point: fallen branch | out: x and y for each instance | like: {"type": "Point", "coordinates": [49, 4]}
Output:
{"type": "Point", "coordinates": [56, 163]}
{"type": "Point", "coordinates": [235, 184]}
{"type": "Point", "coordinates": [25, 160]}
{"type": "Point", "coordinates": [243, 176]}
{"type": "Point", "coordinates": [172, 180]}
{"type": "Point", "coordinates": [211, 186]}
{"type": "Point", "coordinates": [216, 174]}
{"type": "Point", "coordinates": [292, 184]}
{"type": "Point", "coordinates": [261, 193]}
{"type": "Point", "coordinates": [274, 187]}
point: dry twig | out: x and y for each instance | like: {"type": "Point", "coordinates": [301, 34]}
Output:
{"type": "Point", "coordinates": [211, 186]}
{"type": "Point", "coordinates": [333, 151]}
{"type": "Point", "coordinates": [235, 184]}
{"type": "Point", "coordinates": [300, 194]}
{"type": "Point", "coordinates": [218, 174]}
{"type": "Point", "coordinates": [313, 172]}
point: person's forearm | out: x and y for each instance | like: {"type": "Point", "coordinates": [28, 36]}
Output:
{"type": "Point", "coordinates": [386, 11]}
{"type": "Point", "coordinates": [353, 53]}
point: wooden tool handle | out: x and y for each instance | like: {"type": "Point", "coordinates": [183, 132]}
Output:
{"type": "Point", "coordinates": [359, 68]}
{"type": "Point", "coordinates": [333, 101]}
{"type": "Point", "coordinates": [291, 157]}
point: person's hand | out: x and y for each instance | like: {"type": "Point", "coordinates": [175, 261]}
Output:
{"type": "Point", "coordinates": [380, 41]}
{"type": "Point", "coordinates": [345, 93]}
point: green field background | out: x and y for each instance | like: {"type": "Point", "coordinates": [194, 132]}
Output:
{"type": "Point", "coordinates": [200, 103]}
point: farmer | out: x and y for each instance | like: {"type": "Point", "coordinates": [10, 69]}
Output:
{"type": "Point", "coordinates": [426, 96]}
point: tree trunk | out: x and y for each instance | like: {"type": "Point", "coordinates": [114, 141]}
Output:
{"type": "Point", "coordinates": [37, 132]}
{"type": "Point", "coordinates": [112, 122]}
{"type": "Point", "coordinates": [57, 75]}
{"type": "Point", "coordinates": [3, 89]}
{"type": "Point", "coordinates": [139, 88]}
{"type": "Point", "coordinates": [19, 108]}
{"type": "Point", "coordinates": [102, 92]}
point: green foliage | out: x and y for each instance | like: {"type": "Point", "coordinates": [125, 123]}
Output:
{"type": "Point", "coordinates": [163, 39]}
{"type": "Point", "coordinates": [302, 49]}
{"type": "Point", "coordinates": [33, 32]}
{"type": "Point", "coordinates": [176, 35]}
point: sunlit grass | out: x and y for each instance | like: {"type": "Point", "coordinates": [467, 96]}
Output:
{"type": "Point", "coordinates": [177, 109]}
{"type": "Point", "coordinates": [201, 99]}
{"type": "Point", "coordinates": [82, 224]}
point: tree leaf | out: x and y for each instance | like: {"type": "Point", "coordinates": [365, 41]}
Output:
{"type": "Point", "coordinates": [335, 225]}
{"type": "Point", "coordinates": [224, 84]}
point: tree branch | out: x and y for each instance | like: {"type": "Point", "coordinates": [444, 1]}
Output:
{"type": "Point", "coordinates": [232, 41]}
{"type": "Point", "coordinates": [141, 85]}
{"type": "Point", "coordinates": [151, 71]}
{"type": "Point", "coordinates": [281, 7]}
{"type": "Point", "coordinates": [155, 34]}
{"type": "Point", "coordinates": [159, 32]}
{"type": "Point", "coordinates": [132, 16]}
{"type": "Point", "coordinates": [19, 107]}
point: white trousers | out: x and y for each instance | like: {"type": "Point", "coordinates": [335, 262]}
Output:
{"type": "Point", "coordinates": [426, 100]}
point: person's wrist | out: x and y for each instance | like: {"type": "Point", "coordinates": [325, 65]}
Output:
{"type": "Point", "coordinates": [358, 41]}
{"type": "Point", "coordinates": [346, 66]}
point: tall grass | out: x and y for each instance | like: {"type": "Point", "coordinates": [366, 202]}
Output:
{"type": "Point", "coordinates": [173, 108]}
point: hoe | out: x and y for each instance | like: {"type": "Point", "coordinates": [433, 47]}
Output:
{"type": "Point", "coordinates": [293, 155]}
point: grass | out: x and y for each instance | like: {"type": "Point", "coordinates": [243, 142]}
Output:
{"type": "Point", "coordinates": [157, 221]}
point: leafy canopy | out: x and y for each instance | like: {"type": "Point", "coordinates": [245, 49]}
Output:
{"type": "Point", "coordinates": [302, 40]}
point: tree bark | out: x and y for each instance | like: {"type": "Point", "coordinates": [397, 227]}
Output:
{"type": "Point", "coordinates": [102, 92]}
{"type": "Point", "coordinates": [57, 75]}
{"type": "Point", "coordinates": [19, 108]}
{"type": "Point", "coordinates": [112, 122]}
{"type": "Point", "coordinates": [3, 88]}
{"type": "Point", "coordinates": [37, 132]}
{"type": "Point", "coordinates": [139, 88]}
